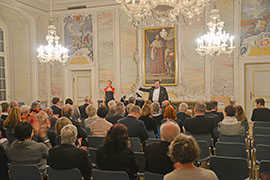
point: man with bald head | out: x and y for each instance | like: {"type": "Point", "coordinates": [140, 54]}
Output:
{"type": "Point", "coordinates": [157, 160]}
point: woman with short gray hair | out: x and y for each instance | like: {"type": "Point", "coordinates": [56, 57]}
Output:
{"type": "Point", "coordinates": [69, 134]}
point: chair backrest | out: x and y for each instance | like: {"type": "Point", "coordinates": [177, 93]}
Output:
{"type": "Point", "coordinates": [265, 168]}
{"type": "Point", "coordinates": [95, 142]}
{"type": "Point", "coordinates": [24, 172]}
{"type": "Point", "coordinates": [262, 152]}
{"type": "Point", "coordinates": [66, 174]}
{"type": "Point", "coordinates": [140, 160]}
{"type": "Point", "coordinates": [135, 144]}
{"type": "Point", "coordinates": [204, 150]}
{"type": "Point", "coordinates": [152, 176]}
{"type": "Point", "coordinates": [229, 168]}
{"type": "Point", "coordinates": [151, 140]}
{"type": "Point", "coordinates": [104, 174]}
{"type": "Point", "coordinates": [93, 154]}
{"type": "Point", "coordinates": [262, 139]}
{"type": "Point", "coordinates": [261, 130]}
{"type": "Point", "coordinates": [234, 138]}
{"type": "Point", "coordinates": [203, 137]}
{"type": "Point", "coordinates": [261, 124]}
{"type": "Point", "coordinates": [231, 149]}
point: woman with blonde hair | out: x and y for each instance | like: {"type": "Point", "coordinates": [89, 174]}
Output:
{"type": "Point", "coordinates": [149, 122]}
{"type": "Point", "coordinates": [14, 117]}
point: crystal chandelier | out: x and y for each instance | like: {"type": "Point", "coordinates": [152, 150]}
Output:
{"type": "Point", "coordinates": [216, 41]}
{"type": "Point", "coordinates": [53, 51]}
{"type": "Point", "coordinates": [162, 11]}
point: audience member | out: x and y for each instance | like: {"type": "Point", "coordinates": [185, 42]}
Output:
{"type": "Point", "coordinates": [3, 164]}
{"type": "Point", "coordinates": [260, 113]}
{"type": "Point", "coordinates": [101, 126]}
{"type": "Point", "coordinates": [76, 114]}
{"type": "Point", "coordinates": [214, 105]}
{"type": "Point", "coordinates": [184, 151]}
{"type": "Point", "coordinates": [156, 154]}
{"type": "Point", "coordinates": [25, 113]}
{"type": "Point", "coordinates": [14, 117]}
{"type": "Point", "coordinates": [200, 123]}
{"type": "Point", "coordinates": [132, 100]}
{"type": "Point", "coordinates": [241, 117]}
{"type": "Point", "coordinates": [111, 110]}
{"type": "Point", "coordinates": [157, 115]}
{"type": "Point", "coordinates": [83, 107]}
{"type": "Point", "coordinates": [170, 115]}
{"type": "Point", "coordinates": [135, 127]}
{"type": "Point", "coordinates": [52, 118]}
{"type": "Point", "coordinates": [5, 110]}
{"type": "Point", "coordinates": [24, 150]}
{"type": "Point", "coordinates": [91, 112]}
{"type": "Point", "coordinates": [57, 110]}
{"type": "Point", "coordinates": [67, 156]}
{"type": "Point", "coordinates": [128, 108]}
{"type": "Point", "coordinates": [149, 123]}
{"type": "Point", "coordinates": [164, 104]}
{"type": "Point", "coordinates": [182, 112]}
{"type": "Point", "coordinates": [119, 113]}
{"type": "Point", "coordinates": [230, 125]}
{"type": "Point", "coordinates": [210, 113]}
{"type": "Point", "coordinates": [111, 104]}
{"type": "Point", "coordinates": [35, 107]}
{"type": "Point", "coordinates": [115, 154]}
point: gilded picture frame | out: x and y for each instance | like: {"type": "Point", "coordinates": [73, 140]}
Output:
{"type": "Point", "coordinates": [160, 55]}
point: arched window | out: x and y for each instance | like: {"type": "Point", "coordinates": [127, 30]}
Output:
{"type": "Point", "coordinates": [3, 55]}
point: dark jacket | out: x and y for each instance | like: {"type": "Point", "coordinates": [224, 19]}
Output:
{"type": "Point", "coordinates": [149, 123]}
{"type": "Point", "coordinates": [213, 116]}
{"type": "Point", "coordinates": [182, 116]}
{"type": "Point", "coordinates": [82, 111]}
{"type": "Point", "coordinates": [3, 164]}
{"type": "Point", "coordinates": [114, 118]}
{"type": "Point", "coordinates": [261, 114]}
{"type": "Point", "coordinates": [67, 156]}
{"type": "Point", "coordinates": [163, 95]}
{"type": "Point", "coordinates": [135, 127]}
{"type": "Point", "coordinates": [56, 110]}
{"type": "Point", "coordinates": [201, 124]}
{"type": "Point", "coordinates": [123, 160]}
{"type": "Point", "coordinates": [156, 158]}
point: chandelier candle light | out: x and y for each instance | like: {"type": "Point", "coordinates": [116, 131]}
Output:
{"type": "Point", "coordinates": [145, 12]}
{"type": "Point", "coordinates": [216, 41]}
{"type": "Point", "coordinates": [53, 51]}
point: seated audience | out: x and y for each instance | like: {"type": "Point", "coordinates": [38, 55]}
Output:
{"type": "Point", "coordinates": [35, 107]}
{"type": "Point", "coordinates": [210, 113]}
{"type": "Point", "coordinates": [241, 117]}
{"type": "Point", "coordinates": [67, 155]}
{"type": "Point", "coordinates": [156, 154]}
{"type": "Point", "coordinates": [111, 110]}
{"type": "Point", "coordinates": [230, 125]}
{"type": "Point", "coordinates": [83, 107]}
{"type": "Point", "coordinates": [164, 104]}
{"type": "Point", "coordinates": [200, 123]}
{"type": "Point", "coordinates": [170, 115]}
{"type": "Point", "coordinates": [214, 105]}
{"type": "Point", "coordinates": [157, 115]}
{"type": "Point", "coordinates": [57, 110]}
{"type": "Point", "coordinates": [52, 118]}
{"type": "Point", "coordinates": [25, 113]}
{"type": "Point", "coordinates": [101, 126]}
{"type": "Point", "coordinates": [14, 117]}
{"type": "Point", "coordinates": [119, 113]}
{"type": "Point", "coordinates": [115, 154]}
{"type": "Point", "coordinates": [91, 112]}
{"type": "Point", "coordinates": [184, 151]}
{"type": "Point", "coordinates": [76, 115]}
{"type": "Point", "coordinates": [60, 123]}
{"type": "Point", "coordinates": [132, 100]}
{"type": "Point", "coordinates": [135, 127]}
{"type": "Point", "coordinates": [182, 112]}
{"type": "Point", "coordinates": [3, 164]}
{"type": "Point", "coordinates": [149, 123]}
{"type": "Point", "coordinates": [24, 150]}
{"type": "Point", "coordinates": [260, 113]}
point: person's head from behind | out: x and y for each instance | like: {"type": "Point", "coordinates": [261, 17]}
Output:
{"type": "Point", "coordinates": [183, 107]}
{"type": "Point", "coordinates": [168, 131]}
{"type": "Point", "coordinates": [131, 100]}
{"type": "Point", "coordinates": [60, 123]}
{"type": "Point", "coordinates": [214, 105]}
{"type": "Point", "coordinates": [165, 104]}
{"type": "Point", "coordinates": [147, 110]}
{"type": "Point", "coordinates": [229, 111]}
{"type": "Point", "coordinates": [111, 104]}
{"type": "Point", "coordinates": [68, 111]}
{"type": "Point", "coordinates": [184, 150]}
{"type": "Point", "coordinates": [55, 100]}
{"type": "Point", "coordinates": [86, 100]}
{"type": "Point", "coordinates": [240, 113]}
{"type": "Point", "coordinates": [102, 111]}
{"type": "Point", "coordinates": [117, 138]}
{"type": "Point", "coordinates": [68, 134]}
{"type": "Point", "coordinates": [260, 103]}
{"type": "Point", "coordinates": [156, 108]}
{"type": "Point", "coordinates": [169, 113]}
{"type": "Point", "coordinates": [91, 111]}
{"type": "Point", "coordinates": [44, 119]}
{"type": "Point", "coordinates": [5, 107]}
{"type": "Point", "coordinates": [49, 111]}
{"type": "Point", "coordinates": [120, 108]}
{"type": "Point", "coordinates": [135, 111]}
{"type": "Point", "coordinates": [14, 117]}
{"type": "Point", "coordinates": [200, 108]}
{"type": "Point", "coordinates": [157, 83]}
{"type": "Point", "coordinates": [208, 107]}
{"type": "Point", "coordinates": [23, 131]}
{"type": "Point", "coordinates": [69, 101]}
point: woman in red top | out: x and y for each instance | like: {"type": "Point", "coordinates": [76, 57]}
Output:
{"type": "Point", "coordinates": [108, 92]}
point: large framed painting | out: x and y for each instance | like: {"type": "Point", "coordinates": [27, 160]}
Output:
{"type": "Point", "coordinates": [78, 33]}
{"type": "Point", "coordinates": [255, 28]}
{"type": "Point", "coordinates": [160, 56]}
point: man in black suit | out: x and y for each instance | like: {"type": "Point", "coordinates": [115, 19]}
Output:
{"type": "Point", "coordinates": [214, 110]}
{"type": "Point", "coordinates": [67, 156]}
{"type": "Point", "coordinates": [260, 113]}
{"type": "Point", "coordinates": [201, 123]}
{"type": "Point", "coordinates": [156, 154]}
{"type": "Point", "coordinates": [135, 127]}
{"type": "Point", "coordinates": [83, 107]}
{"type": "Point", "coordinates": [156, 93]}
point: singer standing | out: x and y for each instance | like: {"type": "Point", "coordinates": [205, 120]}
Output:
{"type": "Point", "coordinates": [109, 92]}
